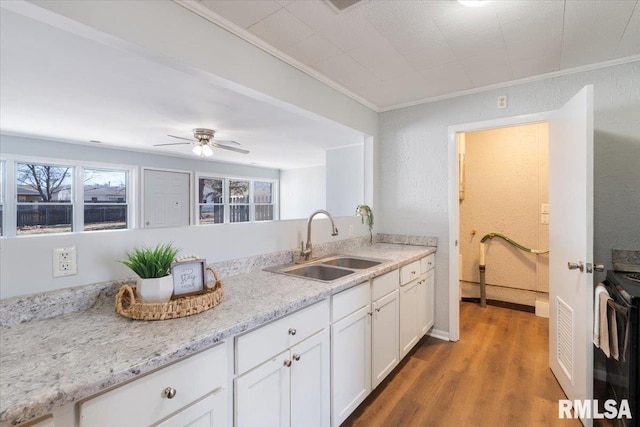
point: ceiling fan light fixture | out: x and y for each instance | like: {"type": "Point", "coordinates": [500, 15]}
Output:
{"type": "Point", "coordinates": [203, 150]}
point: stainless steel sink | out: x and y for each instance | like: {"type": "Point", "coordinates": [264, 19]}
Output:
{"type": "Point", "coordinates": [350, 262]}
{"type": "Point", "coordinates": [319, 272]}
{"type": "Point", "coordinates": [327, 269]}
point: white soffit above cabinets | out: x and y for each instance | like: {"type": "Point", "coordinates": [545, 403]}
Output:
{"type": "Point", "coordinates": [392, 53]}
{"type": "Point", "coordinates": [58, 85]}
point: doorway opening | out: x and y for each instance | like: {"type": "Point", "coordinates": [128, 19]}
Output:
{"type": "Point", "coordinates": [504, 216]}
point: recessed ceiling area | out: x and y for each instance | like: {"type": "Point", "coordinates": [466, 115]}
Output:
{"type": "Point", "coordinates": [389, 53]}
{"type": "Point", "coordinates": [56, 84]}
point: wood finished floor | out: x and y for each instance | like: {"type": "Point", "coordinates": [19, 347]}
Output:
{"type": "Point", "coordinates": [496, 375]}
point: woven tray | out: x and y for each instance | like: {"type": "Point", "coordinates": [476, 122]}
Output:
{"type": "Point", "coordinates": [127, 305]}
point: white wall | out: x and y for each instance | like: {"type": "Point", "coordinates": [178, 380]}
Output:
{"type": "Point", "coordinates": [26, 261]}
{"type": "Point", "coordinates": [412, 160]}
{"type": "Point", "coordinates": [345, 179]}
{"type": "Point", "coordinates": [302, 191]}
{"type": "Point", "coordinates": [167, 32]}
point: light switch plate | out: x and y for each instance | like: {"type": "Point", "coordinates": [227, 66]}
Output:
{"type": "Point", "coordinates": [65, 261]}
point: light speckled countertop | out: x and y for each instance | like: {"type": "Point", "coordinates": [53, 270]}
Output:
{"type": "Point", "coordinates": [48, 363]}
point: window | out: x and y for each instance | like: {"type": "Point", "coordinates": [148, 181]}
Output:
{"type": "Point", "coordinates": [44, 198]}
{"type": "Point", "coordinates": [105, 199]}
{"type": "Point", "coordinates": [211, 201]}
{"type": "Point", "coordinates": [238, 201]}
{"type": "Point", "coordinates": [226, 200]}
{"type": "Point", "coordinates": [263, 200]}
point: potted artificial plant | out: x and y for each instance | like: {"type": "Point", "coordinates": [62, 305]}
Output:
{"type": "Point", "coordinates": [152, 265]}
{"type": "Point", "coordinates": [365, 211]}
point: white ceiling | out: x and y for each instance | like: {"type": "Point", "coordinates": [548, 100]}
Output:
{"type": "Point", "coordinates": [391, 52]}
{"type": "Point", "coordinates": [57, 85]}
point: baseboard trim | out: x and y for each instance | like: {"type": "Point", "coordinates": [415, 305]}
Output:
{"type": "Point", "coordinates": [503, 304]}
{"type": "Point", "coordinates": [542, 309]}
{"type": "Point", "coordinates": [437, 333]}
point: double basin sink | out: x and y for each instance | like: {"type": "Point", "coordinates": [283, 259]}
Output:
{"type": "Point", "coordinates": [327, 269]}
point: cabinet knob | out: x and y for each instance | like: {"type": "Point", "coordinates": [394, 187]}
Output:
{"type": "Point", "coordinates": [370, 313]}
{"type": "Point", "coordinates": [292, 331]}
{"type": "Point", "coordinates": [413, 273]}
{"type": "Point", "coordinates": [377, 310]}
{"type": "Point", "coordinates": [296, 357]}
{"type": "Point", "coordinates": [170, 392]}
{"type": "Point", "coordinates": [287, 363]}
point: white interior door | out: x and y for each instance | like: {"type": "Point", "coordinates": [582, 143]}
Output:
{"type": "Point", "coordinates": [166, 198]}
{"type": "Point", "coordinates": [571, 240]}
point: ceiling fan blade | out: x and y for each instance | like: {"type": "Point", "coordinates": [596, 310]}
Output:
{"type": "Point", "coordinates": [220, 141]}
{"type": "Point", "coordinates": [174, 143]}
{"type": "Point", "coordinates": [179, 137]}
{"type": "Point", "coordinates": [224, 147]}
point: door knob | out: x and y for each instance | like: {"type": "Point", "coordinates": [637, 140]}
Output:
{"type": "Point", "coordinates": [576, 265]}
{"type": "Point", "coordinates": [597, 267]}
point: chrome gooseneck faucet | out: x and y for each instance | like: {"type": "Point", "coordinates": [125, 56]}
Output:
{"type": "Point", "coordinates": [305, 251]}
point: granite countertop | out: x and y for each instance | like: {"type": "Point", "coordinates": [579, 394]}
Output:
{"type": "Point", "coordinates": [46, 364]}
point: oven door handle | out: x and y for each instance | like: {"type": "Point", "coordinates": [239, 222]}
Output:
{"type": "Point", "coordinates": [624, 311]}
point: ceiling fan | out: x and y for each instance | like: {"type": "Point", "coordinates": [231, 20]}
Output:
{"type": "Point", "coordinates": [204, 143]}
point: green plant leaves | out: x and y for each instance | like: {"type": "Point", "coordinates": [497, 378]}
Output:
{"type": "Point", "coordinates": [149, 263]}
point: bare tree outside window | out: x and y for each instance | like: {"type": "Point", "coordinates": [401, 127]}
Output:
{"type": "Point", "coordinates": [48, 181]}
{"type": "Point", "coordinates": [44, 198]}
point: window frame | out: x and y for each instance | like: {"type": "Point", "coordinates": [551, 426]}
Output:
{"type": "Point", "coordinates": [10, 202]}
{"type": "Point", "coordinates": [225, 190]}
{"type": "Point", "coordinates": [127, 203]}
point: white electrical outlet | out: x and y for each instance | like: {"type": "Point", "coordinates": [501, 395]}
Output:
{"type": "Point", "coordinates": [65, 261]}
{"type": "Point", "coordinates": [544, 208]}
{"type": "Point", "coordinates": [502, 102]}
{"type": "Point", "coordinates": [544, 218]}
{"type": "Point", "coordinates": [350, 230]}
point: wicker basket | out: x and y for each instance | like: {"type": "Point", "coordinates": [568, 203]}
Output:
{"type": "Point", "coordinates": [127, 305]}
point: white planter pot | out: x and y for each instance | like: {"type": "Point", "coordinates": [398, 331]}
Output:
{"type": "Point", "coordinates": [155, 290]}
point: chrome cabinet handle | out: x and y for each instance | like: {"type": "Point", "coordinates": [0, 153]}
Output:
{"type": "Point", "coordinates": [170, 392]}
{"type": "Point", "coordinates": [598, 267]}
{"type": "Point", "coordinates": [576, 265]}
{"type": "Point", "coordinates": [287, 363]}
{"type": "Point", "coordinates": [296, 357]}
{"type": "Point", "coordinates": [292, 331]}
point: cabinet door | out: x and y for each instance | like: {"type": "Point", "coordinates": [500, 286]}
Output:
{"type": "Point", "coordinates": [262, 394]}
{"type": "Point", "coordinates": [422, 302]}
{"type": "Point", "coordinates": [408, 317]}
{"type": "Point", "coordinates": [385, 339]}
{"type": "Point", "coordinates": [350, 363]}
{"type": "Point", "coordinates": [310, 377]}
{"type": "Point", "coordinates": [210, 411]}
{"type": "Point", "coordinates": [429, 281]}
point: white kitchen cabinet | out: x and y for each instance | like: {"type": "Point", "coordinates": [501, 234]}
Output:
{"type": "Point", "coordinates": [385, 336]}
{"type": "Point", "coordinates": [310, 382]}
{"type": "Point", "coordinates": [262, 396]}
{"type": "Point", "coordinates": [291, 388]}
{"type": "Point", "coordinates": [163, 394]}
{"type": "Point", "coordinates": [350, 362]}
{"type": "Point", "coordinates": [426, 302]}
{"type": "Point", "coordinates": [408, 317]}
{"type": "Point", "coordinates": [210, 411]}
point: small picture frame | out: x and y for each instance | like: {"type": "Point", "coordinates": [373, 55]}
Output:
{"type": "Point", "coordinates": [189, 277]}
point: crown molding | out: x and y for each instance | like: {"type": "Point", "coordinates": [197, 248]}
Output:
{"type": "Point", "coordinates": [539, 77]}
{"type": "Point", "coordinates": [208, 14]}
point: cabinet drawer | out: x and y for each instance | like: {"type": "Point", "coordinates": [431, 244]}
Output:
{"type": "Point", "coordinates": [409, 272]}
{"type": "Point", "coordinates": [384, 284]}
{"type": "Point", "coordinates": [191, 378]}
{"type": "Point", "coordinates": [346, 302]}
{"type": "Point", "coordinates": [427, 263]}
{"type": "Point", "coordinates": [258, 345]}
